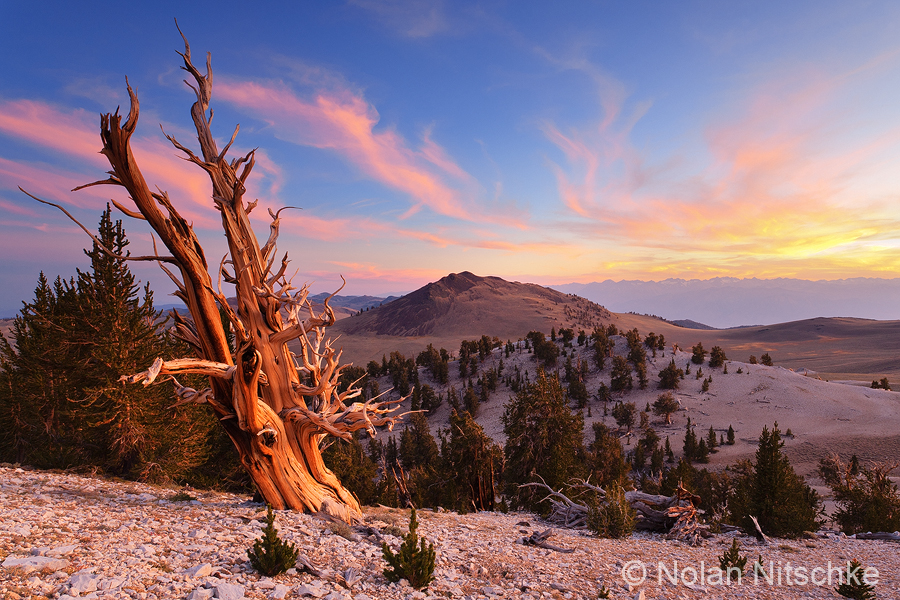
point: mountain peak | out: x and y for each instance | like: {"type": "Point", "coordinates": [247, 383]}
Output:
{"type": "Point", "coordinates": [471, 305]}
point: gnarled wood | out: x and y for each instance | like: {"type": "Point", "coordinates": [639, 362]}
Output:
{"type": "Point", "coordinates": [676, 514]}
{"type": "Point", "coordinates": [276, 406]}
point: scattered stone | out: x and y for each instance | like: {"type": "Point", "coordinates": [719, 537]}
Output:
{"type": "Point", "coordinates": [315, 588]}
{"type": "Point", "coordinates": [229, 591]}
{"type": "Point", "coordinates": [201, 594]}
{"type": "Point", "coordinates": [39, 563]}
{"type": "Point", "coordinates": [199, 571]}
{"type": "Point", "coordinates": [62, 550]}
{"type": "Point", "coordinates": [82, 583]}
{"type": "Point", "coordinates": [119, 546]}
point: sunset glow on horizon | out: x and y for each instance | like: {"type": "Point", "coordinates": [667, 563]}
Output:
{"type": "Point", "coordinates": [639, 141]}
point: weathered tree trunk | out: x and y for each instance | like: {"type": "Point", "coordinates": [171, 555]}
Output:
{"type": "Point", "coordinates": [276, 406]}
{"type": "Point", "coordinates": [675, 515]}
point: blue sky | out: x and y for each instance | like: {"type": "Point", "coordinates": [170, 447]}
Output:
{"type": "Point", "coordinates": [575, 141]}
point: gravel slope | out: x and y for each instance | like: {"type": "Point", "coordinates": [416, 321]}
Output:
{"type": "Point", "coordinates": [109, 539]}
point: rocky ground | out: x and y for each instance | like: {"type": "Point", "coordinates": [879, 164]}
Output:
{"type": "Point", "coordinates": [64, 536]}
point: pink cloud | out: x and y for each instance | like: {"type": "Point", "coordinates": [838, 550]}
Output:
{"type": "Point", "coordinates": [306, 224]}
{"type": "Point", "coordinates": [358, 271]}
{"type": "Point", "coordinates": [76, 134]}
{"type": "Point", "coordinates": [49, 183]}
{"type": "Point", "coordinates": [789, 182]}
{"type": "Point", "coordinates": [484, 241]}
{"type": "Point", "coordinates": [8, 208]}
{"type": "Point", "coordinates": [341, 120]}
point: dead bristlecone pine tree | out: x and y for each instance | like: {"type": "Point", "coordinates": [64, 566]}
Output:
{"type": "Point", "coordinates": [277, 403]}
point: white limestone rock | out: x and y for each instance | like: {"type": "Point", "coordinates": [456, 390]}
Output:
{"type": "Point", "coordinates": [199, 571]}
{"type": "Point", "coordinates": [229, 591]}
{"type": "Point", "coordinates": [201, 593]}
{"type": "Point", "coordinates": [83, 583]}
{"type": "Point", "coordinates": [39, 563]}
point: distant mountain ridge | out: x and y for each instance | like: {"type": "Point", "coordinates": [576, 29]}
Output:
{"type": "Point", "coordinates": [731, 302]}
{"type": "Point", "coordinates": [352, 302]}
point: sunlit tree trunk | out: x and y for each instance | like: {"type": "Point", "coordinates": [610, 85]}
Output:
{"type": "Point", "coordinates": [276, 406]}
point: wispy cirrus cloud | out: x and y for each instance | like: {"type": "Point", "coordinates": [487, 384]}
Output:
{"type": "Point", "coordinates": [486, 240]}
{"type": "Point", "coordinates": [75, 134]}
{"type": "Point", "coordinates": [411, 18]}
{"type": "Point", "coordinates": [785, 182]}
{"type": "Point", "coordinates": [341, 120]}
{"type": "Point", "coordinates": [48, 182]}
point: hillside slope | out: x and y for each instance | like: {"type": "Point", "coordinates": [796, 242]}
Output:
{"type": "Point", "coordinates": [462, 306]}
{"type": "Point", "coordinates": [466, 306]}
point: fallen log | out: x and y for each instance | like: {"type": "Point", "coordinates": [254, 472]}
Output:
{"type": "Point", "coordinates": [675, 515]}
{"type": "Point", "coordinates": [540, 540]}
{"type": "Point", "coordinates": [881, 535]}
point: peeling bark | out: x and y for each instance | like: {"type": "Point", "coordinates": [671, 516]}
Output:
{"type": "Point", "coordinates": [276, 406]}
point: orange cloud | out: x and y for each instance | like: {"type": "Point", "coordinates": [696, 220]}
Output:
{"type": "Point", "coordinates": [73, 132]}
{"type": "Point", "coordinates": [76, 134]}
{"type": "Point", "coordinates": [361, 271]}
{"type": "Point", "coordinates": [342, 121]}
{"type": "Point", "coordinates": [791, 189]}
{"type": "Point", "coordinates": [51, 183]}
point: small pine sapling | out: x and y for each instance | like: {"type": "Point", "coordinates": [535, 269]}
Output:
{"type": "Point", "coordinates": [603, 594]}
{"type": "Point", "coordinates": [758, 568]}
{"type": "Point", "coordinates": [270, 555]}
{"type": "Point", "coordinates": [414, 564]}
{"type": "Point", "coordinates": [732, 563]}
{"type": "Point", "coordinates": [612, 519]}
{"type": "Point", "coordinates": [855, 585]}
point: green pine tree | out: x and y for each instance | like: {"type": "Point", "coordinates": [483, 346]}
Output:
{"type": "Point", "coordinates": [41, 371]}
{"type": "Point", "coordinates": [853, 585]}
{"type": "Point", "coordinates": [543, 439]}
{"type": "Point", "coordinates": [414, 561]}
{"type": "Point", "coordinates": [68, 408]}
{"type": "Point", "coordinates": [784, 504]}
{"type": "Point", "coordinates": [420, 458]}
{"type": "Point", "coordinates": [469, 464]}
{"type": "Point", "coordinates": [270, 555]}
{"type": "Point", "coordinates": [354, 469]}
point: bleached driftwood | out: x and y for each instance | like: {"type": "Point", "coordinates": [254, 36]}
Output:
{"type": "Point", "coordinates": [540, 540]}
{"type": "Point", "coordinates": [881, 535]}
{"type": "Point", "coordinates": [675, 515]}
